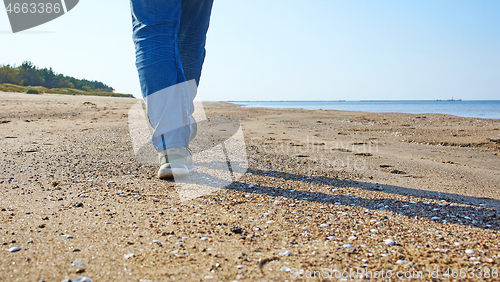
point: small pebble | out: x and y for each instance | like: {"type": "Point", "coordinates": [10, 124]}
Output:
{"type": "Point", "coordinates": [324, 225]}
{"type": "Point", "coordinates": [77, 262]}
{"type": "Point", "coordinates": [239, 266]}
{"type": "Point", "coordinates": [14, 249]}
{"type": "Point", "coordinates": [236, 229]}
{"type": "Point", "coordinates": [285, 269]}
{"type": "Point", "coordinates": [204, 238]}
{"type": "Point", "coordinates": [400, 261]}
{"type": "Point", "coordinates": [374, 231]}
{"type": "Point", "coordinates": [435, 218]}
{"type": "Point", "coordinates": [469, 251]}
{"type": "Point", "coordinates": [127, 256]}
{"type": "Point", "coordinates": [389, 242]}
{"type": "Point", "coordinates": [82, 279]}
{"type": "Point", "coordinates": [284, 253]}
{"type": "Point", "coordinates": [349, 246]}
{"type": "Point", "coordinates": [352, 238]}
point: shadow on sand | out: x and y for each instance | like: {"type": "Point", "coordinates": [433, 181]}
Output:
{"type": "Point", "coordinates": [455, 209]}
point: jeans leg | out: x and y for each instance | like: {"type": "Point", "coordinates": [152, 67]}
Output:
{"type": "Point", "coordinates": [195, 19]}
{"type": "Point", "coordinates": [156, 25]}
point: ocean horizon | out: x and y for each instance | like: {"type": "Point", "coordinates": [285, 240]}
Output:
{"type": "Point", "coordinates": [489, 109]}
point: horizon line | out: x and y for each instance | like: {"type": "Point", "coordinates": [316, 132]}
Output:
{"type": "Point", "coordinates": [341, 100]}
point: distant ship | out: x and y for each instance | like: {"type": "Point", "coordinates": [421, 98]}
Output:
{"type": "Point", "coordinates": [450, 99]}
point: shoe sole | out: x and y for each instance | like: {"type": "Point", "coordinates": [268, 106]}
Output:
{"type": "Point", "coordinates": [175, 172]}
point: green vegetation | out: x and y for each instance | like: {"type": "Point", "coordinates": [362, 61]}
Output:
{"type": "Point", "coordinates": [7, 87]}
{"type": "Point", "coordinates": [29, 79]}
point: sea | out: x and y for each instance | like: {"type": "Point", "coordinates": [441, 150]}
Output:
{"type": "Point", "coordinates": [464, 108]}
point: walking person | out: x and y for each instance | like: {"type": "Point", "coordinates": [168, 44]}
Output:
{"type": "Point", "coordinates": [169, 38]}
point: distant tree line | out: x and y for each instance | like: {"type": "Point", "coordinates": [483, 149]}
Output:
{"type": "Point", "coordinates": [28, 74]}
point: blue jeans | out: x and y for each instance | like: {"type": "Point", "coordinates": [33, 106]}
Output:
{"type": "Point", "coordinates": [169, 37]}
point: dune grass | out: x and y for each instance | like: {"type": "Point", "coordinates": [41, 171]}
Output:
{"type": "Point", "coordinates": [7, 87]}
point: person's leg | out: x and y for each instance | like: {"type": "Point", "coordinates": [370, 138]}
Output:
{"type": "Point", "coordinates": [195, 19]}
{"type": "Point", "coordinates": [170, 38]}
{"type": "Point", "coordinates": [156, 24]}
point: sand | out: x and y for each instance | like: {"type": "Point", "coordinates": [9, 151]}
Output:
{"type": "Point", "coordinates": [326, 192]}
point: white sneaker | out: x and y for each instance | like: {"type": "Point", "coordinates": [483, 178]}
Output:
{"type": "Point", "coordinates": [175, 162]}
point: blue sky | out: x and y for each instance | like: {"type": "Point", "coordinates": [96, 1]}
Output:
{"type": "Point", "coordinates": [292, 50]}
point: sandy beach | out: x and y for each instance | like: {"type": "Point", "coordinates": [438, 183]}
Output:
{"type": "Point", "coordinates": [327, 193]}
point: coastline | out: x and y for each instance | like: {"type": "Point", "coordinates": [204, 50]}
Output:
{"type": "Point", "coordinates": [487, 109]}
{"type": "Point", "coordinates": [325, 189]}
